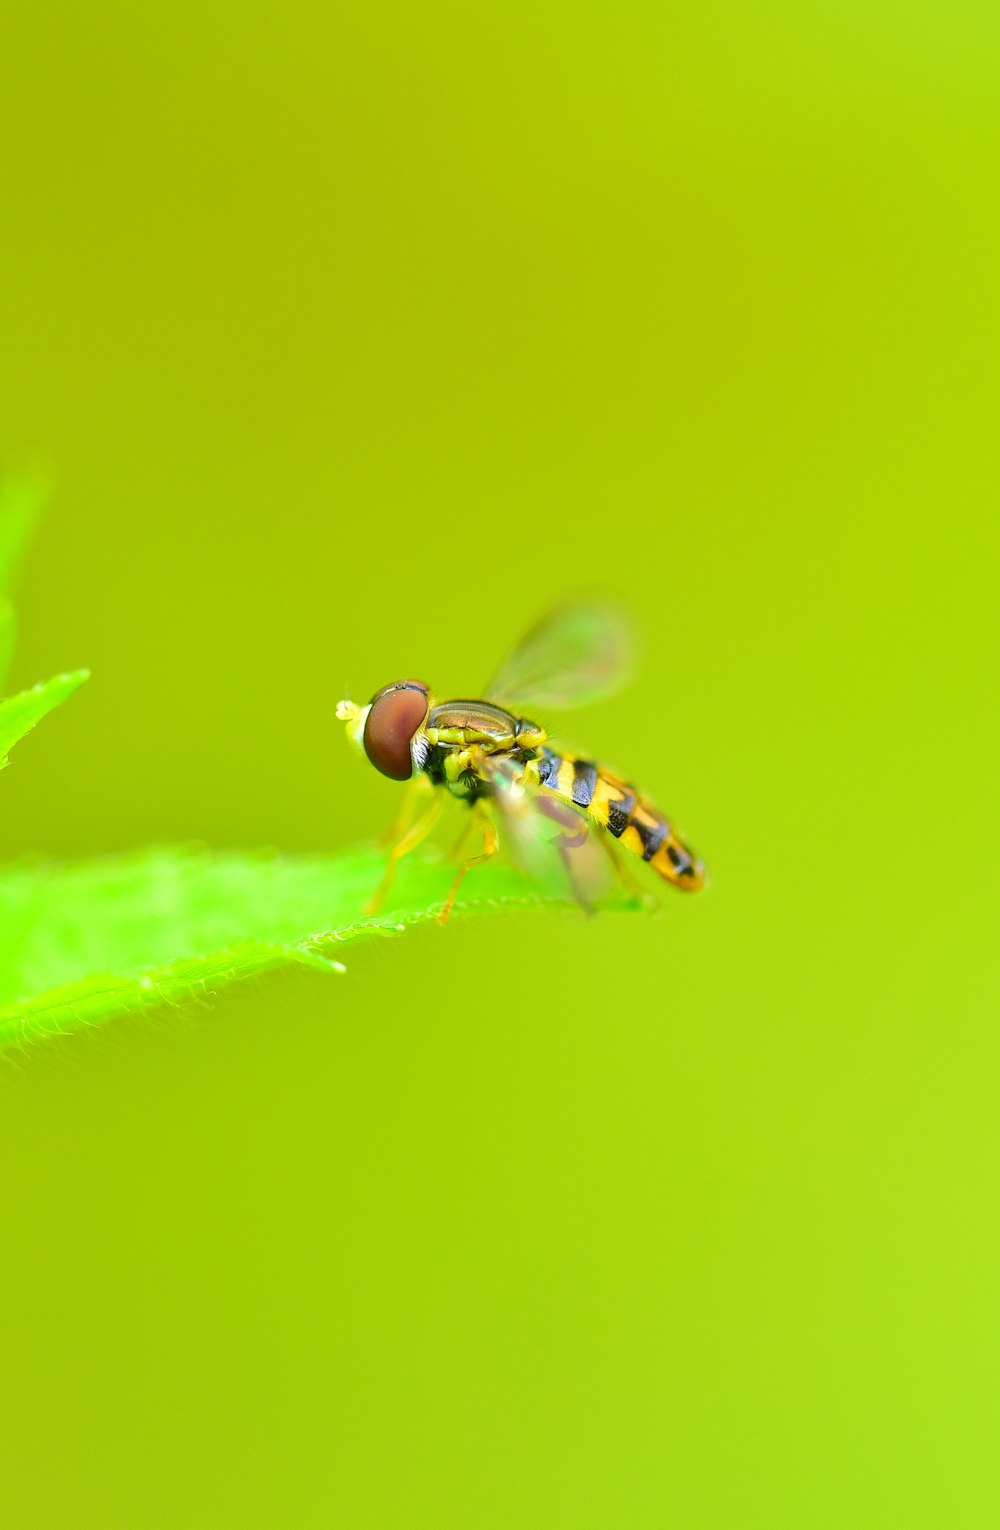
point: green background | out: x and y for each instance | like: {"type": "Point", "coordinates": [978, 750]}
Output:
{"type": "Point", "coordinates": [357, 335]}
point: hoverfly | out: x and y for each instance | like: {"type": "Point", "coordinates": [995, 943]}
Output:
{"type": "Point", "coordinates": [502, 766]}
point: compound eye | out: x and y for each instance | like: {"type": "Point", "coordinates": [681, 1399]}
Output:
{"type": "Point", "coordinates": [397, 711]}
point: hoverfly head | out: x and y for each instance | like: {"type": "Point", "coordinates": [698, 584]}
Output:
{"type": "Point", "coordinates": [386, 729]}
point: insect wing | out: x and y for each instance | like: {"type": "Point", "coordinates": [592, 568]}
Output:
{"type": "Point", "coordinates": [547, 840]}
{"type": "Point", "coordinates": [575, 655]}
{"type": "Point", "coordinates": [524, 831]}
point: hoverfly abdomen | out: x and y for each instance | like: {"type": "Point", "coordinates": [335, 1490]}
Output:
{"type": "Point", "coordinates": [630, 819]}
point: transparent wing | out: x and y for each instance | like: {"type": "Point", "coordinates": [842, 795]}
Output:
{"type": "Point", "coordinates": [546, 839]}
{"type": "Point", "coordinates": [525, 834]}
{"type": "Point", "coordinates": [575, 655]}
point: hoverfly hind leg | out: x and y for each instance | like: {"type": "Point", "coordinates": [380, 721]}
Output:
{"type": "Point", "coordinates": [574, 834]}
{"type": "Point", "coordinates": [623, 871]}
{"type": "Point", "coordinates": [566, 844]}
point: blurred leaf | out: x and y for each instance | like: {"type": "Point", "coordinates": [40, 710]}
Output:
{"type": "Point", "coordinates": [19, 714]}
{"type": "Point", "coordinates": [8, 634]}
{"type": "Point", "coordinates": [83, 943]}
{"type": "Point", "coordinates": [21, 503]}
{"type": "Point", "coordinates": [22, 500]}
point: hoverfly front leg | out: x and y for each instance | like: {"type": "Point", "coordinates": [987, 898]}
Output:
{"type": "Point", "coordinates": [413, 791]}
{"type": "Point", "coordinates": [414, 836]}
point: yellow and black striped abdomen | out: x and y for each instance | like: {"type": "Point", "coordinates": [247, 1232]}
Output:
{"type": "Point", "coordinates": [617, 807]}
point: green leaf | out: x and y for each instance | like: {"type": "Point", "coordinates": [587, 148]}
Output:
{"type": "Point", "coordinates": [8, 634]}
{"type": "Point", "coordinates": [19, 714]}
{"type": "Point", "coordinates": [21, 502]}
{"type": "Point", "coordinates": [84, 943]}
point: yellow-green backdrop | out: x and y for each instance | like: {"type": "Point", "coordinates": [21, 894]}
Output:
{"type": "Point", "coordinates": [358, 334]}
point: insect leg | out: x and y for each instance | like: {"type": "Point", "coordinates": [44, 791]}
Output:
{"type": "Point", "coordinates": [491, 844]}
{"type": "Point", "coordinates": [416, 833]}
{"type": "Point", "coordinates": [413, 791]}
{"type": "Point", "coordinates": [459, 845]}
{"type": "Point", "coordinates": [625, 874]}
{"type": "Point", "coordinates": [566, 843]}
{"type": "Point", "coordinates": [574, 833]}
